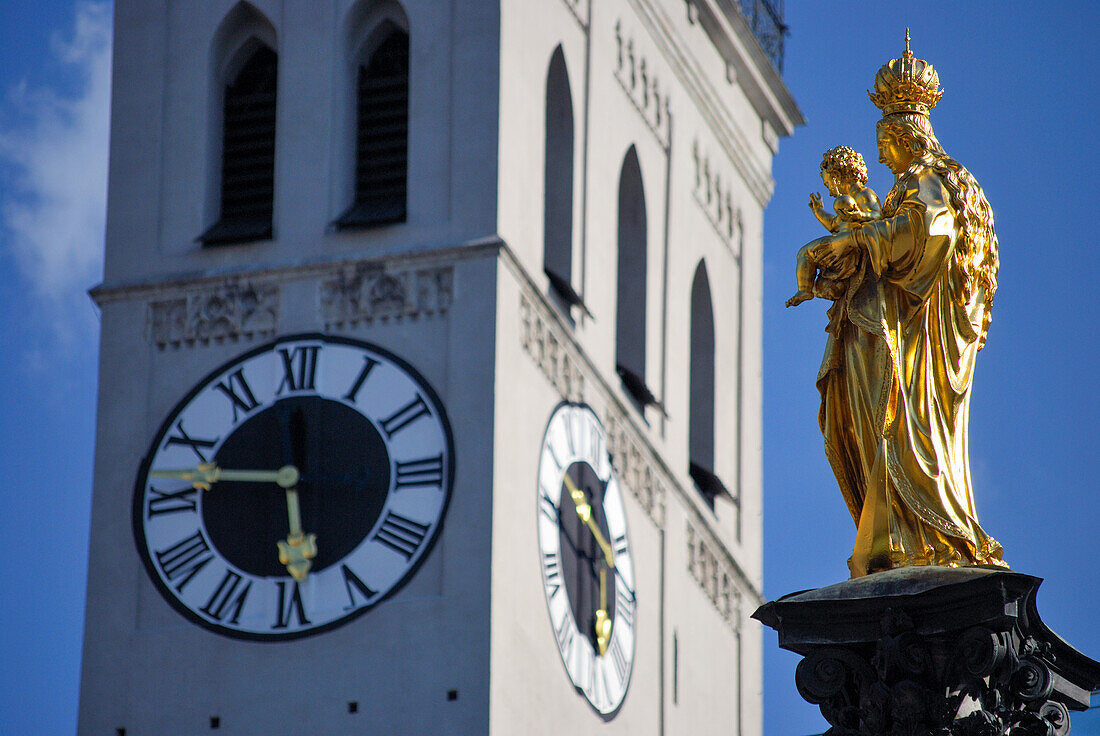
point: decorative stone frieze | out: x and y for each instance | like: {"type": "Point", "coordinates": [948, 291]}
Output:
{"type": "Point", "coordinates": [638, 79]}
{"type": "Point", "coordinates": [633, 461]}
{"type": "Point", "coordinates": [227, 311]}
{"type": "Point", "coordinates": [550, 352]}
{"type": "Point", "coordinates": [374, 293]}
{"type": "Point", "coordinates": [714, 576]}
{"type": "Point", "coordinates": [713, 195]}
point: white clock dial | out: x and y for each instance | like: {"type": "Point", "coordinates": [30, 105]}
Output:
{"type": "Point", "coordinates": [372, 459]}
{"type": "Point", "coordinates": [587, 566]}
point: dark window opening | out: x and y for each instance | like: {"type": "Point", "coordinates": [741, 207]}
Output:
{"type": "Point", "coordinates": [248, 153]}
{"type": "Point", "coordinates": [557, 240]}
{"type": "Point", "coordinates": [630, 317]}
{"type": "Point", "coordinates": [382, 135]}
{"type": "Point", "coordinates": [701, 390]}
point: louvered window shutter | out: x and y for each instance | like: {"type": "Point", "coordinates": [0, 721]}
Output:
{"type": "Point", "coordinates": [381, 161]}
{"type": "Point", "coordinates": [248, 153]}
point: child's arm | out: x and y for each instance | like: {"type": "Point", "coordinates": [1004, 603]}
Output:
{"type": "Point", "coordinates": [829, 222]}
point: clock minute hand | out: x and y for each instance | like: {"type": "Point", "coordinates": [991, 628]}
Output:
{"type": "Point", "coordinates": [584, 511]}
{"type": "Point", "coordinates": [206, 474]}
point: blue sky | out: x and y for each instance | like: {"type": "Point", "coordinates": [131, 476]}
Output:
{"type": "Point", "coordinates": [1020, 111]}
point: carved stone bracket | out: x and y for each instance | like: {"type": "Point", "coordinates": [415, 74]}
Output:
{"type": "Point", "coordinates": [549, 352]}
{"type": "Point", "coordinates": [370, 292]}
{"type": "Point", "coordinates": [639, 81]}
{"type": "Point", "coordinates": [714, 576]}
{"type": "Point", "coordinates": [635, 466]}
{"type": "Point", "coordinates": [937, 651]}
{"type": "Point", "coordinates": [713, 195]}
{"type": "Point", "coordinates": [227, 311]}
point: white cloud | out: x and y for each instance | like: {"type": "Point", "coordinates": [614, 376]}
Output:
{"type": "Point", "coordinates": [54, 205]}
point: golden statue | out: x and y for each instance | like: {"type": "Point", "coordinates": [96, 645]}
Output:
{"type": "Point", "coordinates": [916, 285]}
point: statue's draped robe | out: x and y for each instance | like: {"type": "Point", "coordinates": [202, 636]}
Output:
{"type": "Point", "coordinates": [895, 385]}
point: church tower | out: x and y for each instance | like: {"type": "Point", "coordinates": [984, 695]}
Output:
{"type": "Point", "coordinates": [429, 392]}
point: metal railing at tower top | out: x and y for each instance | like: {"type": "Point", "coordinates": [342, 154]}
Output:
{"type": "Point", "coordinates": [765, 18]}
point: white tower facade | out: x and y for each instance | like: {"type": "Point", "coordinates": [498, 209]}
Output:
{"type": "Point", "coordinates": [430, 368]}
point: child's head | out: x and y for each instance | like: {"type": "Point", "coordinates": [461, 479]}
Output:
{"type": "Point", "coordinates": [842, 165]}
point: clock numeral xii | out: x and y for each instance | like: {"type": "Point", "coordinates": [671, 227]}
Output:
{"type": "Point", "coordinates": [299, 368]}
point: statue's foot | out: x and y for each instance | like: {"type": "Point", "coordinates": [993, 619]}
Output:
{"type": "Point", "coordinates": [798, 298]}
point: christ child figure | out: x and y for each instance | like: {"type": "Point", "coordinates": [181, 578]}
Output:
{"type": "Point", "coordinates": [844, 174]}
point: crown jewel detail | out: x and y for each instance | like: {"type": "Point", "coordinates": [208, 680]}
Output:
{"type": "Point", "coordinates": [907, 84]}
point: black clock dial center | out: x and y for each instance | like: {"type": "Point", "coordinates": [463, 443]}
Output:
{"type": "Point", "coordinates": [581, 556]}
{"type": "Point", "coordinates": [345, 476]}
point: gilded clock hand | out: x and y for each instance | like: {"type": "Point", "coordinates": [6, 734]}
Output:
{"type": "Point", "coordinates": [206, 474]}
{"type": "Point", "coordinates": [297, 549]}
{"type": "Point", "coordinates": [603, 621]}
{"type": "Point", "coordinates": [584, 511]}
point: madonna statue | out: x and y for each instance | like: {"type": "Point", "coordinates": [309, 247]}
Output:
{"type": "Point", "coordinates": [903, 338]}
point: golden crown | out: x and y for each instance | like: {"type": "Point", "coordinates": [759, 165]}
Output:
{"type": "Point", "coordinates": [907, 84]}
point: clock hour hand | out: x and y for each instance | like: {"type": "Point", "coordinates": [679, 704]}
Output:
{"type": "Point", "coordinates": [584, 511]}
{"type": "Point", "coordinates": [206, 474]}
{"type": "Point", "coordinates": [297, 549]}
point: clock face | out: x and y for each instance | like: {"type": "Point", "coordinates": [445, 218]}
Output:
{"type": "Point", "coordinates": [294, 488]}
{"type": "Point", "coordinates": [587, 566]}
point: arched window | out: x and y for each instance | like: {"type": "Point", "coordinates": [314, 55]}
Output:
{"type": "Point", "coordinates": [630, 319]}
{"type": "Point", "coordinates": [701, 389]}
{"type": "Point", "coordinates": [382, 131]}
{"type": "Point", "coordinates": [248, 147]}
{"type": "Point", "coordinates": [557, 241]}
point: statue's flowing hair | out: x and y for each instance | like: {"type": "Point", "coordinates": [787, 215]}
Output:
{"type": "Point", "coordinates": [976, 257]}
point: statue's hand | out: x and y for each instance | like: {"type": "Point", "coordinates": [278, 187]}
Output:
{"type": "Point", "coordinates": [815, 201]}
{"type": "Point", "coordinates": [837, 252]}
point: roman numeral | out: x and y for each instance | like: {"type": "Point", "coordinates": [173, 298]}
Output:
{"type": "Point", "coordinates": [564, 633]}
{"type": "Point", "coordinates": [570, 438]}
{"type": "Point", "coordinates": [595, 446]}
{"type": "Point", "coordinates": [368, 366]}
{"type": "Point", "coordinates": [182, 438]}
{"type": "Point", "coordinates": [547, 505]}
{"type": "Point", "coordinates": [299, 368]}
{"type": "Point", "coordinates": [401, 535]}
{"type": "Point", "coordinates": [618, 659]}
{"type": "Point", "coordinates": [624, 604]}
{"type": "Point", "coordinates": [594, 682]}
{"type": "Point", "coordinates": [170, 502]}
{"type": "Point", "coordinates": [551, 566]}
{"type": "Point", "coordinates": [427, 471]}
{"type": "Point", "coordinates": [351, 580]}
{"type": "Point", "coordinates": [554, 456]}
{"type": "Point", "coordinates": [183, 560]}
{"type": "Point", "coordinates": [237, 390]}
{"type": "Point", "coordinates": [404, 416]}
{"type": "Point", "coordinates": [619, 545]}
{"type": "Point", "coordinates": [290, 605]}
{"type": "Point", "coordinates": [226, 599]}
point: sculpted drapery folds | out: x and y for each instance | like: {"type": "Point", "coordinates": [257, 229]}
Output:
{"type": "Point", "coordinates": [899, 361]}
